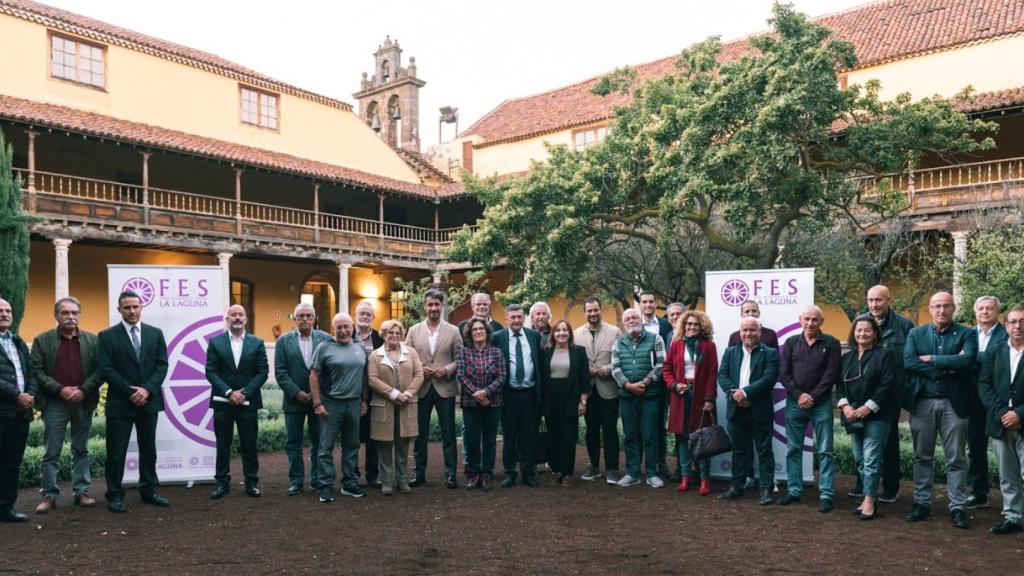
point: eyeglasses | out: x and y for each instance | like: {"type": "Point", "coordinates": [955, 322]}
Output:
{"type": "Point", "coordinates": [693, 324]}
{"type": "Point", "coordinates": [304, 316]}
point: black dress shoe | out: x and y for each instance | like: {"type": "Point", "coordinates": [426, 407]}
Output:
{"type": "Point", "coordinates": [959, 519]}
{"type": "Point", "coordinates": [155, 499]}
{"type": "Point", "coordinates": [450, 483]}
{"type": "Point", "coordinates": [918, 513]}
{"type": "Point", "coordinates": [731, 494]}
{"type": "Point", "coordinates": [375, 483]}
{"type": "Point", "coordinates": [295, 489]}
{"type": "Point", "coordinates": [13, 516]}
{"type": "Point", "coordinates": [253, 491]}
{"type": "Point", "coordinates": [825, 505]}
{"type": "Point", "coordinates": [789, 499]}
{"type": "Point", "coordinates": [976, 501]}
{"type": "Point", "coordinates": [530, 481]}
{"type": "Point", "coordinates": [116, 505]}
{"type": "Point", "coordinates": [1005, 527]}
{"type": "Point", "coordinates": [871, 516]}
{"type": "Point", "coordinates": [508, 482]}
{"type": "Point", "coordinates": [419, 480]}
{"type": "Point", "coordinates": [485, 483]}
{"type": "Point", "coordinates": [220, 491]}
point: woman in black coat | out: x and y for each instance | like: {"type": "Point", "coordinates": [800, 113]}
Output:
{"type": "Point", "coordinates": [566, 379]}
{"type": "Point", "coordinates": [868, 401]}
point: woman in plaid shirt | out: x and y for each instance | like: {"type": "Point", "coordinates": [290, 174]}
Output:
{"type": "Point", "coordinates": [481, 375]}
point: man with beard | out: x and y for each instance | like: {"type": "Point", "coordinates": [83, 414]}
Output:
{"type": "Point", "coordinates": [598, 338]}
{"type": "Point", "coordinates": [236, 367]}
{"type": "Point", "coordinates": [540, 320]}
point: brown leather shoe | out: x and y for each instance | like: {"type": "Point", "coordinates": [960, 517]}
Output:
{"type": "Point", "coordinates": [85, 501]}
{"type": "Point", "coordinates": [566, 481]}
{"type": "Point", "coordinates": [46, 505]}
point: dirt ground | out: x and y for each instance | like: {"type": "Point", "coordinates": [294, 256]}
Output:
{"type": "Point", "coordinates": [591, 528]}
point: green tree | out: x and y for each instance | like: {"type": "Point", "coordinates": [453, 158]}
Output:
{"type": "Point", "coordinates": [741, 150]}
{"type": "Point", "coordinates": [14, 237]}
{"type": "Point", "coordinates": [410, 293]}
{"type": "Point", "coordinates": [993, 267]}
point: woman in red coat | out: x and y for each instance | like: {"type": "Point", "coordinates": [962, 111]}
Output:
{"type": "Point", "coordinates": [691, 374]}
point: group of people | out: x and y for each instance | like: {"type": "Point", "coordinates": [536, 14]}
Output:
{"type": "Point", "coordinates": [660, 375]}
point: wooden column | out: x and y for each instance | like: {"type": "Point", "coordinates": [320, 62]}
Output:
{"type": "Point", "coordinates": [381, 219]}
{"type": "Point", "coordinates": [145, 186]}
{"type": "Point", "coordinates": [316, 211]}
{"type": "Point", "coordinates": [238, 200]}
{"type": "Point", "coordinates": [31, 184]}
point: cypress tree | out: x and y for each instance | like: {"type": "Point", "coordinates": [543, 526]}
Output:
{"type": "Point", "coordinates": [14, 237]}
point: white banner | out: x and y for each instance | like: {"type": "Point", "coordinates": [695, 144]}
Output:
{"type": "Point", "coordinates": [186, 302]}
{"type": "Point", "coordinates": [781, 296]}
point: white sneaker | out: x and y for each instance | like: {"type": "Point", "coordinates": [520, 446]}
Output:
{"type": "Point", "coordinates": [613, 477]}
{"type": "Point", "coordinates": [591, 474]}
{"type": "Point", "coordinates": [627, 481]}
{"type": "Point", "coordinates": [655, 482]}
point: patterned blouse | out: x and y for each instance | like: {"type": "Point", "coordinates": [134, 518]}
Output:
{"type": "Point", "coordinates": [480, 370]}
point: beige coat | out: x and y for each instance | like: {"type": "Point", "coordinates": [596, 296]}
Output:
{"type": "Point", "coordinates": [446, 355]}
{"type": "Point", "coordinates": [384, 388]}
{"type": "Point", "coordinates": [599, 352]}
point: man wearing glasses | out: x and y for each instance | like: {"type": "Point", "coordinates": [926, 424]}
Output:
{"type": "Point", "coordinates": [939, 358]}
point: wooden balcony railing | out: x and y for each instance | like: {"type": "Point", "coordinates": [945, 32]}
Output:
{"type": "Point", "coordinates": [962, 179]}
{"type": "Point", "coordinates": [115, 194]}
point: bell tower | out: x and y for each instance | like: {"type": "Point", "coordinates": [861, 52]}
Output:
{"type": "Point", "coordinates": [389, 100]}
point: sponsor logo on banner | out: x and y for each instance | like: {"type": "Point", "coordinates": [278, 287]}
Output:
{"type": "Point", "coordinates": [766, 292]}
{"type": "Point", "coordinates": [170, 292]}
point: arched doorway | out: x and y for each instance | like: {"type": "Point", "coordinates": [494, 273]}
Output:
{"type": "Point", "coordinates": [319, 291]}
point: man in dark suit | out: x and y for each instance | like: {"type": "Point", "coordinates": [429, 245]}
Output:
{"type": "Point", "coordinates": [64, 360]}
{"type": "Point", "coordinates": [18, 391]}
{"type": "Point", "coordinates": [747, 375]}
{"type": "Point", "coordinates": [520, 414]}
{"type": "Point", "coordinates": [939, 357]}
{"type": "Point", "coordinates": [236, 367]}
{"type": "Point", "coordinates": [1001, 386]}
{"type": "Point", "coordinates": [132, 358]}
{"type": "Point", "coordinates": [293, 357]}
{"type": "Point", "coordinates": [990, 334]}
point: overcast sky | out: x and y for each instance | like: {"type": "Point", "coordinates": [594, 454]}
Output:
{"type": "Point", "coordinates": [473, 54]}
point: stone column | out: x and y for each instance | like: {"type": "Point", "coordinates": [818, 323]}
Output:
{"type": "Point", "coordinates": [224, 260]}
{"type": "Point", "coordinates": [62, 284]}
{"type": "Point", "coordinates": [959, 259]}
{"type": "Point", "coordinates": [343, 270]}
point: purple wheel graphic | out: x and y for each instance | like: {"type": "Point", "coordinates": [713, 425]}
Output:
{"type": "Point", "coordinates": [186, 390]}
{"type": "Point", "coordinates": [734, 292]}
{"type": "Point", "coordinates": [142, 287]}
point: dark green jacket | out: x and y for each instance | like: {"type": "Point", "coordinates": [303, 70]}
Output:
{"type": "Point", "coordinates": [9, 380]}
{"type": "Point", "coordinates": [894, 338]}
{"type": "Point", "coordinates": [997, 390]}
{"type": "Point", "coordinates": [633, 363]}
{"type": "Point", "coordinates": [44, 357]}
{"type": "Point", "coordinates": [764, 374]}
{"type": "Point", "coordinates": [952, 365]}
{"type": "Point", "coordinates": [117, 365]}
{"type": "Point", "coordinates": [290, 368]}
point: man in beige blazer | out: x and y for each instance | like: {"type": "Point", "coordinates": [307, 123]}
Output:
{"type": "Point", "coordinates": [437, 343]}
{"type": "Point", "coordinates": [602, 415]}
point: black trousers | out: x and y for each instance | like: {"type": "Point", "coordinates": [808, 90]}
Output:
{"type": "Point", "coordinates": [13, 436]}
{"type": "Point", "coordinates": [519, 422]}
{"type": "Point", "coordinates": [371, 461]}
{"type": "Point", "coordinates": [891, 459]}
{"type": "Point", "coordinates": [225, 419]}
{"type": "Point", "coordinates": [563, 428]}
{"type": "Point", "coordinates": [746, 432]}
{"type": "Point", "coordinates": [446, 419]}
{"type": "Point", "coordinates": [602, 418]}
{"type": "Point", "coordinates": [119, 433]}
{"type": "Point", "coordinates": [977, 447]}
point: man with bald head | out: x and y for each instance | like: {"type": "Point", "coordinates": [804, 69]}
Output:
{"type": "Point", "coordinates": [236, 367]}
{"type": "Point", "coordinates": [808, 369]}
{"type": "Point", "coordinates": [18, 390]}
{"type": "Point", "coordinates": [339, 386]}
{"type": "Point", "coordinates": [895, 329]}
{"type": "Point", "coordinates": [939, 357]}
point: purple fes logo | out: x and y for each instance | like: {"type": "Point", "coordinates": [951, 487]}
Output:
{"type": "Point", "coordinates": [186, 390]}
{"type": "Point", "coordinates": [734, 292]}
{"type": "Point", "coordinates": [131, 464]}
{"type": "Point", "coordinates": [142, 287]}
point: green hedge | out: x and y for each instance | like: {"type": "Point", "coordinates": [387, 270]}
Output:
{"type": "Point", "coordinates": [272, 438]}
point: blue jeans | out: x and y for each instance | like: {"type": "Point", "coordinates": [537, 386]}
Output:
{"type": "Point", "coordinates": [341, 423]}
{"type": "Point", "coordinates": [480, 430]}
{"type": "Point", "coordinates": [821, 418]}
{"type": "Point", "coordinates": [640, 428]}
{"type": "Point", "coordinates": [867, 452]}
{"type": "Point", "coordinates": [683, 446]}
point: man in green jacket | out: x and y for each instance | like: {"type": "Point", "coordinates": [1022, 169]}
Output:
{"type": "Point", "coordinates": [64, 360]}
{"type": "Point", "coordinates": [938, 358]}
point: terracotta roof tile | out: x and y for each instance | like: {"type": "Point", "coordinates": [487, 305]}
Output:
{"type": "Point", "coordinates": [881, 32]}
{"type": "Point", "coordinates": [72, 119]}
{"type": "Point", "coordinates": [109, 34]}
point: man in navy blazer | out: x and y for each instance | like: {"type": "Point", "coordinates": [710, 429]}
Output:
{"type": "Point", "coordinates": [132, 358]}
{"type": "Point", "coordinates": [293, 357]}
{"type": "Point", "coordinates": [747, 375]}
{"type": "Point", "coordinates": [522, 390]}
{"type": "Point", "coordinates": [236, 367]}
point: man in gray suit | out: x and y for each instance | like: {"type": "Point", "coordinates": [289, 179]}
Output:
{"type": "Point", "coordinates": [437, 343]}
{"type": "Point", "coordinates": [1001, 387]}
{"type": "Point", "coordinates": [293, 357]}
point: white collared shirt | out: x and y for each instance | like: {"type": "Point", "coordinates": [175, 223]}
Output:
{"type": "Point", "coordinates": [236, 346]}
{"type": "Point", "coordinates": [306, 348]}
{"type": "Point", "coordinates": [654, 327]}
{"type": "Point", "coordinates": [745, 369]}
{"type": "Point", "coordinates": [1015, 356]}
{"type": "Point", "coordinates": [527, 360]}
{"type": "Point", "coordinates": [985, 337]}
{"type": "Point", "coordinates": [433, 337]}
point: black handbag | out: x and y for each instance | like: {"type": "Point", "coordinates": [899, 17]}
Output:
{"type": "Point", "coordinates": [709, 441]}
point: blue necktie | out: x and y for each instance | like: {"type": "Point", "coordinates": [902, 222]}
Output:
{"type": "Point", "coordinates": [520, 369]}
